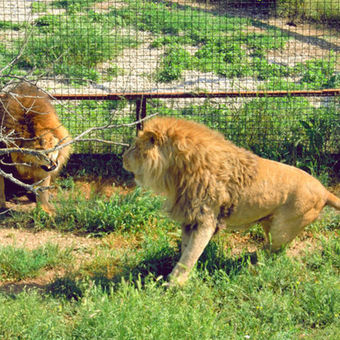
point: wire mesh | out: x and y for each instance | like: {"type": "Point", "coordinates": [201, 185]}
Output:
{"type": "Point", "coordinates": [124, 46]}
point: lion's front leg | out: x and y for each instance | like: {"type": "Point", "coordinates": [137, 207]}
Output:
{"type": "Point", "coordinates": [43, 197]}
{"type": "Point", "coordinates": [197, 237]}
{"type": "Point", "coordinates": [186, 232]}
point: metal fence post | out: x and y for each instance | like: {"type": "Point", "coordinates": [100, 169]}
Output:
{"type": "Point", "coordinates": [140, 112]}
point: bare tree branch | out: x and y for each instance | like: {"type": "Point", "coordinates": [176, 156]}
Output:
{"type": "Point", "coordinates": [103, 141]}
{"type": "Point", "coordinates": [18, 56]}
{"type": "Point", "coordinates": [10, 143]}
{"type": "Point", "coordinates": [35, 187]}
{"type": "Point", "coordinates": [79, 138]}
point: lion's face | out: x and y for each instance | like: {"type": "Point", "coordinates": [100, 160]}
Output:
{"type": "Point", "coordinates": [147, 159]}
{"type": "Point", "coordinates": [47, 164]}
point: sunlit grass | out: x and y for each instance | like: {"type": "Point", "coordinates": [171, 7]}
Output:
{"type": "Point", "coordinates": [21, 263]}
{"type": "Point", "coordinates": [116, 289]}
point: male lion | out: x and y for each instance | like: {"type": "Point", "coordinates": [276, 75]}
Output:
{"type": "Point", "coordinates": [209, 182]}
{"type": "Point", "coordinates": [28, 120]}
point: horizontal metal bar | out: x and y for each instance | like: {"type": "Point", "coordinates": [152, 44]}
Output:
{"type": "Point", "coordinates": [232, 94]}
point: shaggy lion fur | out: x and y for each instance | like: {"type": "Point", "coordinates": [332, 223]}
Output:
{"type": "Point", "coordinates": [209, 183]}
{"type": "Point", "coordinates": [28, 120]}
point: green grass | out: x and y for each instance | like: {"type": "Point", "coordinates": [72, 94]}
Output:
{"type": "Point", "coordinates": [222, 49]}
{"type": "Point", "coordinates": [127, 213]}
{"type": "Point", "coordinates": [20, 263]}
{"type": "Point", "coordinates": [277, 298]}
{"type": "Point", "coordinates": [130, 212]}
{"type": "Point", "coordinates": [117, 291]}
{"type": "Point", "coordinates": [170, 18]}
{"type": "Point", "coordinates": [73, 45]}
{"type": "Point", "coordinates": [177, 59]}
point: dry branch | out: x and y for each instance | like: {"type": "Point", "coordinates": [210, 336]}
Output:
{"type": "Point", "coordinates": [9, 141]}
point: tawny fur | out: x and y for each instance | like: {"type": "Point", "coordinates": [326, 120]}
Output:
{"type": "Point", "coordinates": [209, 182]}
{"type": "Point", "coordinates": [30, 120]}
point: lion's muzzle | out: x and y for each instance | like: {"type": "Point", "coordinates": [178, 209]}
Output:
{"type": "Point", "coordinates": [53, 166]}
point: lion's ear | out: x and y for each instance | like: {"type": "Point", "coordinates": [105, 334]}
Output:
{"type": "Point", "coordinates": [152, 137]}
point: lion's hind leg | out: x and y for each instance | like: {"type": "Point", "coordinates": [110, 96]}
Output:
{"type": "Point", "coordinates": [284, 227]}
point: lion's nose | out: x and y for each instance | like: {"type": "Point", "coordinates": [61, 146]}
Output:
{"type": "Point", "coordinates": [53, 166]}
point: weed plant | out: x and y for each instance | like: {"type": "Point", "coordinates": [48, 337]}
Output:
{"type": "Point", "coordinates": [176, 60]}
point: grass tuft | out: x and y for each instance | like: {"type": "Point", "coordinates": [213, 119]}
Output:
{"type": "Point", "coordinates": [20, 263]}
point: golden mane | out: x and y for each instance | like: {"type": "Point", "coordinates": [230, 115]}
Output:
{"type": "Point", "coordinates": [194, 165]}
{"type": "Point", "coordinates": [30, 121]}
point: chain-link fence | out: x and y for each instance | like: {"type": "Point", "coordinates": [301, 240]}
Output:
{"type": "Point", "coordinates": [122, 47]}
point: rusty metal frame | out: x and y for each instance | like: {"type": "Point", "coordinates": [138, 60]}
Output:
{"type": "Point", "coordinates": [141, 97]}
{"type": "Point", "coordinates": [232, 94]}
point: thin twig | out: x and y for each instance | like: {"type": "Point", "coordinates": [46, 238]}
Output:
{"type": "Point", "coordinates": [97, 128]}
{"type": "Point", "coordinates": [35, 187]}
{"type": "Point", "coordinates": [21, 51]}
{"type": "Point", "coordinates": [103, 141]}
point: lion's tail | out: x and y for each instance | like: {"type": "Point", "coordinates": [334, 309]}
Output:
{"type": "Point", "coordinates": [333, 201]}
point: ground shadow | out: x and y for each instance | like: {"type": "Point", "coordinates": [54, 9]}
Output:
{"type": "Point", "coordinates": [259, 12]}
{"type": "Point", "coordinates": [157, 265]}
{"type": "Point", "coordinates": [214, 258]}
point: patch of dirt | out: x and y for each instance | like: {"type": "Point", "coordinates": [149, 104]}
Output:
{"type": "Point", "coordinates": [238, 244]}
{"type": "Point", "coordinates": [304, 243]}
{"type": "Point", "coordinates": [82, 249]}
{"type": "Point", "coordinates": [106, 6]}
{"type": "Point", "coordinates": [23, 238]}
